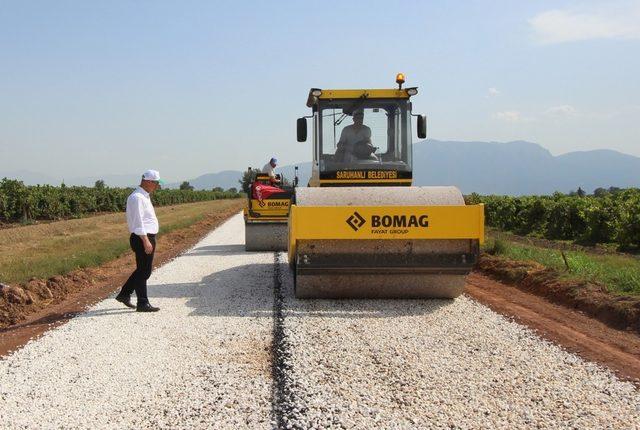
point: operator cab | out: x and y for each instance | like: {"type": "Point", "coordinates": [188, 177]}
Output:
{"type": "Point", "coordinates": [361, 137]}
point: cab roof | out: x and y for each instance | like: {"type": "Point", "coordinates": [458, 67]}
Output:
{"type": "Point", "coordinates": [356, 94]}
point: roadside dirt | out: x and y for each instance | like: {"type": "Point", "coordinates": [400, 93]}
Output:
{"type": "Point", "coordinates": [28, 310]}
{"type": "Point", "coordinates": [617, 311]}
{"type": "Point", "coordinates": [572, 329]}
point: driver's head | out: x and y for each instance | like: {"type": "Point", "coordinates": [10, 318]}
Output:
{"type": "Point", "coordinates": [358, 117]}
{"type": "Point", "coordinates": [273, 162]}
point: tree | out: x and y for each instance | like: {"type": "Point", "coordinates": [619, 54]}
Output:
{"type": "Point", "coordinates": [218, 189]}
{"type": "Point", "coordinates": [247, 178]}
{"type": "Point", "coordinates": [600, 192]}
{"type": "Point", "coordinates": [99, 184]}
{"type": "Point", "coordinates": [233, 190]}
{"type": "Point", "coordinates": [186, 186]}
{"type": "Point", "coordinates": [580, 192]}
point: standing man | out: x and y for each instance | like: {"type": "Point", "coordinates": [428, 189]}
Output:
{"type": "Point", "coordinates": [269, 169]}
{"type": "Point", "coordinates": [143, 226]}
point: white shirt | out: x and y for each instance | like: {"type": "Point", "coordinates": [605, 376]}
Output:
{"type": "Point", "coordinates": [268, 168]}
{"type": "Point", "coordinates": [350, 135]}
{"type": "Point", "coordinates": [141, 218]}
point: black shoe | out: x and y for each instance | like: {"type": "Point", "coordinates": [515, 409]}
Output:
{"type": "Point", "coordinates": [146, 307]}
{"type": "Point", "coordinates": [125, 301]}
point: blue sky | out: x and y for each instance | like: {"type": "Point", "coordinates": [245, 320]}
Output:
{"type": "Point", "coordinates": [97, 88]}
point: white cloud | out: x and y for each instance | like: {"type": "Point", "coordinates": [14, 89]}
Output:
{"type": "Point", "coordinates": [619, 21]}
{"type": "Point", "coordinates": [508, 115]}
{"type": "Point", "coordinates": [562, 110]}
{"type": "Point", "coordinates": [493, 92]}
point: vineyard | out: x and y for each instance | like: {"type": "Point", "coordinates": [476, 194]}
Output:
{"type": "Point", "coordinates": [609, 218]}
{"type": "Point", "coordinates": [19, 202]}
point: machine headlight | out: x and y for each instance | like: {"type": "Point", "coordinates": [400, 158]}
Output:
{"type": "Point", "coordinates": [316, 93]}
{"type": "Point", "coordinates": [412, 91]}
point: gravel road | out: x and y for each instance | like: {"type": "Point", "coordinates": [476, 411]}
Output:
{"type": "Point", "coordinates": [202, 361]}
{"type": "Point", "coordinates": [206, 361]}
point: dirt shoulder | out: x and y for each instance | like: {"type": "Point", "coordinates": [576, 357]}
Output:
{"type": "Point", "coordinates": [33, 308]}
{"type": "Point", "coordinates": [618, 311]}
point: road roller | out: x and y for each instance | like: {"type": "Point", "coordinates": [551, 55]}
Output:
{"type": "Point", "coordinates": [360, 229]}
{"type": "Point", "coordinates": [266, 215]}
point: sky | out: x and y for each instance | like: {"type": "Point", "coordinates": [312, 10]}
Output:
{"type": "Point", "coordinates": [192, 87]}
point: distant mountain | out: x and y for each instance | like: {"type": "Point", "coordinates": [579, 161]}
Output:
{"type": "Point", "coordinates": [512, 168]}
{"type": "Point", "coordinates": [225, 179]}
{"type": "Point", "coordinates": [603, 163]}
{"type": "Point", "coordinates": [229, 178]}
{"type": "Point", "coordinates": [520, 168]}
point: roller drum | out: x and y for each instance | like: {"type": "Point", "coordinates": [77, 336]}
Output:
{"type": "Point", "coordinates": [265, 236]}
{"type": "Point", "coordinates": [385, 268]}
{"type": "Point", "coordinates": [379, 196]}
{"type": "Point", "coordinates": [379, 286]}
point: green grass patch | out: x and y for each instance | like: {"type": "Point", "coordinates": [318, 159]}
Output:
{"type": "Point", "coordinates": [619, 273]}
{"type": "Point", "coordinates": [181, 223]}
{"type": "Point", "coordinates": [57, 248]}
{"type": "Point", "coordinates": [15, 271]}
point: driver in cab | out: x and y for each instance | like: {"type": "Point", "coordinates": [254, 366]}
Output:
{"type": "Point", "coordinates": [355, 140]}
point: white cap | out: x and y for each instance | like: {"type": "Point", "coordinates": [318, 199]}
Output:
{"type": "Point", "coordinates": [152, 175]}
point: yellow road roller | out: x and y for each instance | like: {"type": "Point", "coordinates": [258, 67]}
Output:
{"type": "Point", "coordinates": [266, 215]}
{"type": "Point", "coordinates": [360, 229]}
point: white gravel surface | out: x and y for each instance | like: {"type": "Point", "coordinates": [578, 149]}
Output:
{"type": "Point", "coordinates": [438, 364]}
{"type": "Point", "coordinates": [204, 361]}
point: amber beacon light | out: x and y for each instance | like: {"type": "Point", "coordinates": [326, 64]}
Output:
{"type": "Point", "coordinates": [400, 80]}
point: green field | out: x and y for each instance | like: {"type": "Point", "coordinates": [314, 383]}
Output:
{"type": "Point", "coordinates": [56, 248]}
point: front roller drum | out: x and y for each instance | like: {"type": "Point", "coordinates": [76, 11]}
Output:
{"type": "Point", "coordinates": [331, 269]}
{"type": "Point", "coordinates": [265, 236]}
{"type": "Point", "coordinates": [379, 286]}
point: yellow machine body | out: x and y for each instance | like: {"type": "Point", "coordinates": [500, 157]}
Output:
{"type": "Point", "coordinates": [385, 222]}
{"type": "Point", "coordinates": [268, 210]}
{"type": "Point", "coordinates": [360, 230]}
{"type": "Point", "coordinates": [266, 220]}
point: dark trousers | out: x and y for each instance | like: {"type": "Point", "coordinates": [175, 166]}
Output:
{"type": "Point", "coordinates": [144, 263]}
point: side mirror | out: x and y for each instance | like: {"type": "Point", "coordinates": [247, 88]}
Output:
{"type": "Point", "coordinates": [422, 126]}
{"type": "Point", "coordinates": [301, 125]}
